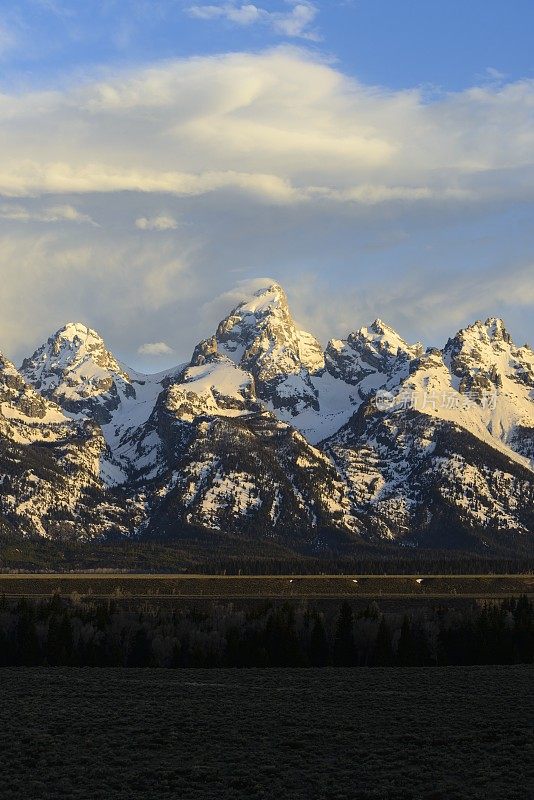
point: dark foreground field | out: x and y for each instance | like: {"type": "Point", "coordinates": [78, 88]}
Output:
{"type": "Point", "coordinates": [285, 587]}
{"type": "Point", "coordinates": [439, 733]}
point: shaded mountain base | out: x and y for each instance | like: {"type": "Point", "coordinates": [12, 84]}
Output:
{"type": "Point", "coordinates": [208, 552]}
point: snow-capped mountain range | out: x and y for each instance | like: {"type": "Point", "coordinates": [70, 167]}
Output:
{"type": "Point", "coordinates": [265, 433]}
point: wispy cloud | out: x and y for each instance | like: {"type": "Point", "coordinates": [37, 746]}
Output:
{"type": "Point", "coordinates": [295, 23]}
{"type": "Point", "coordinates": [162, 222]}
{"type": "Point", "coordinates": [122, 287]}
{"type": "Point", "coordinates": [61, 213]}
{"type": "Point", "coordinates": [426, 305]}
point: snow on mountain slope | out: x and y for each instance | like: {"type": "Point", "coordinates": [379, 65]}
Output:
{"type": "Point", "coordinates": [424, 458]}
{"type": "Point", "coordinates": [51, 467]}
{"type": "Point", "coordinates": [499, 376]}
{"type": "Point", "coordinates": [370, 356]}
{"type": "Point", "coordinates": [336, 401]}
{"type": "Point", "coordinates": [130, 435]}
{"type": "Point", "coordinates": [262, 432]}
{"type": "Point", "coordinates": [53, 492]}
{"type": "Point", "coordinates": [261, 337]}
{"type": "Point", "coordinates": [214, 388]}
{"type": "Point", "coordinates": [253, 474]}
{"type": "Point", "coordinates": [413, 476]}
{"type": "Point", "coordinates": [75, 369]}
{"type": "Point", "coordinates": [25, 416]}
{"type": "Point", "coordinates": [431, 389]}
{"type": "Point", "coordinates": [137, 436]}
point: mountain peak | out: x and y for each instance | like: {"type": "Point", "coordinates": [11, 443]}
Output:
{"type": "Point", "coordinates": [379, 326]}
{"type": "Point", "coordinates": [263, 300]}
{"type": "Point", "coordinates": [261, 337]}
{"type": "Point", "coordinates": [73, 329]}
{"type": "Point", "coordinates": [376, 350]}
{"type": "Point", "coordinates": [76, 370]}
{"type": "Point", "coordinates": [73, 346]}
{"type": "Point", "coordinates": [492, 330]}
{"type": "Point", "coordinates": [496, 329]}
{"type": "Point", "coordinates": [484, 358]}
{"type": "Point", "coordinates": [381, 337]}
{"type": "Point", "coordinates": [75, 337]}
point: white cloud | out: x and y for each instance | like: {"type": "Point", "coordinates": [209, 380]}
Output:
{"type": "Point", "coordinates": [294, 23]}
{"type": "Point", "coordinates": [240, 14]}
{"type": "Point", "coordinates": [155, 349]}
{"type": "Point", "coordinates": [297, 22]}
{"type": "Point", "coordinates": [162, 222]}
{"type": "Point", "coordinates": [61, 213]}
{"type": "Point", "coordinates": [278, 126]}
{"type": "Point", "coordinates": [280, 164]}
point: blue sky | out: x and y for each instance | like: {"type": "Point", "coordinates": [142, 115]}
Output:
{"type": "Point", "coordinates": [376, 157]}
{"type": "Point", "coordinates": [447, 44]}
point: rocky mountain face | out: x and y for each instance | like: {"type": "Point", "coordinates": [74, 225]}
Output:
{"type": "Point", "coordinates": [52, 467]}
{"type": "Point", "coordinates": [251, 473]}
{"type": "Point", "coordinates": [369, 357]}
{"type": "Point", "coordinates": [419, 477]}
{"type": "Point", "coordinates": [74, 369]}
{"type": "Point", "coordinates": [485, 362]}
{"type": "Point", "coordinates": [260, 337]}
{"type": "Point", "coordinates": [264, 433]}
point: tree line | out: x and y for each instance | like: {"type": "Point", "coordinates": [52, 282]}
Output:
{"type": "Point", "coordinates": [217, 554]}
{"type": "Point", "coordinates": [75, 632]}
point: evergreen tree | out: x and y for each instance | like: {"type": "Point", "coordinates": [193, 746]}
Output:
{"type": "Point", "coordinates": [281, 640]}
{"type": "Point", "coordinates": [406, 646]}
{"type": "Point", "coordinates": [175, 656]}
{"type": "Point", "coordinates": [4, 649]}
{"type": "Point", "coordinates": [524, 631]}
{"type": "Point", "coordinates": [319, 651]}
{"type": "Point", "coordinates": [140, 652]}
{"type": "Point", "coordinates": [27, 644]}
{"type": "Point", "coordinates": [59, 643]}
{"type": "Point", "coordinates": [382, 655]}
{"type": "Point", "coordinates": [344, 652]}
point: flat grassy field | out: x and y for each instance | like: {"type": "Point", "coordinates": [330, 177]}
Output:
{"type": "Point", "coordinates": [457, 733]}
{"type": "Point", "coordinates": [268, 586]}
